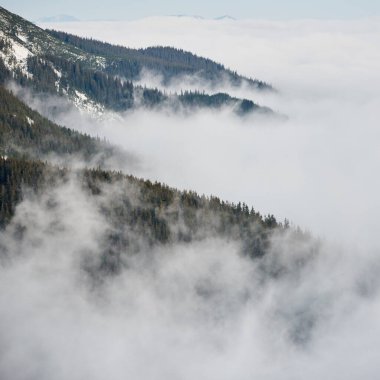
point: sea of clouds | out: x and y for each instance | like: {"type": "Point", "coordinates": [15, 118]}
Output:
{"type": "Point", "coordinates": [318, 169]}
{"type": "Point", "coordinates": [202, 310]}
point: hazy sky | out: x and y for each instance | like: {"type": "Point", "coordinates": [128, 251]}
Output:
{"type": "Point", "coordinates": [132, 9]}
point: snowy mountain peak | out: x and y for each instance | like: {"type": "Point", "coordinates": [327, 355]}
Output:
{"type": "Point", "coordinates": [225, 17]}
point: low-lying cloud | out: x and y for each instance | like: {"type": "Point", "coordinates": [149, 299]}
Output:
{"type": "Point", "coordinates": [202, 310]}
{"type": "Point", "coordinates": [318, 169]}
{"type": "Point", "coordinates": [175, 311]}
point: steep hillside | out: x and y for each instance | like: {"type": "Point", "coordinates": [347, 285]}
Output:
{"type": "Point", "coordinates": [25, 133]}
{"type": "Point", "coordinates": [167, 61]}
{"type": "Point", "coordinates": [142, 213]}
{"type": "Point", "coordinates": [27, 39]}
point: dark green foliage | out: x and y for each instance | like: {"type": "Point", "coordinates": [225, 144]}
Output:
{"type": "Point", "coordinates": [13, 175]}
{"type": "Point", "coordinates": [112, 92]}
{"type": "Point", "coordinates": [99, 87]}
{"type": "Point", "coordinates": [142, 211]}
{"type": "Point", "coordinates": [219, 100]}
{"type": "Point", "coordinates": [138, 213]}
{"type": "Point", "coordinates": [4, 73]}
{"type": "Point", "coordinates": [69, 65]}
{"type": "Point", "coordinates": [197, 99]}
{"type": "Point", "coordinates": [153, 97]}
{"type": "Point", "coordinates": [24, 132]}
{"type": "Point", "coordinates": [44, 78]}
{"type": "Point", "coordinates": [247, 106]}
{"type": "Point", "coordinates": [167, 61]}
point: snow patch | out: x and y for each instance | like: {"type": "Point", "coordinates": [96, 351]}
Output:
{"type": "Point", "coordinates": [16, 56]}
{"type": "Point", "coordinates": [81, 96]}
{"type": "Point", "coordinates": [20, 52]}
{"type": "Point", "coordinates": [23, 38]}
{"type": "Point", "coordinates": [58, 74]}
{"type": "Point", "coordinates": [83, 103]}
{"type": "Point", "coordinates": [29, 121]}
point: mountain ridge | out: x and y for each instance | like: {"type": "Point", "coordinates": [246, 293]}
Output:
{"type": "Point", "coordinates": [99, 75]}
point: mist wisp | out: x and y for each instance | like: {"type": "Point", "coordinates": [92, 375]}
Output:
{"type": "Point", "coordinates": [198, 309]}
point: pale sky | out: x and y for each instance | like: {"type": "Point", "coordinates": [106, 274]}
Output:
{"type": "Point", "coordinates": [134, 9]}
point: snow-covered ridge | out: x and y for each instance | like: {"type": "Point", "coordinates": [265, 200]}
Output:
{"type": "Point", "coordinates": [15, 55]}
{"type": "Point", "coordinates": [36, 40]}
{"type": "Point", "coordinates": [22, 39]}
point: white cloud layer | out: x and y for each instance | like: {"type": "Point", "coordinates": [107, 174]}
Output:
{"type": "Point", "coordinates": [182, 311]}
{"type": "Point", "coordinates": [318, 169]}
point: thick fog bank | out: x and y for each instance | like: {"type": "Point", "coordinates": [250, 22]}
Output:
{"type": "Point", "coordinates": [202, 310]}
{"type": "Point", "coordinates": [178, 311]}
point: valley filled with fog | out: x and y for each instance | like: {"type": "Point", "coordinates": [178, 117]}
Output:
{"type": "Point", "coordinates": [197, 307]}
{"type": "Point", "coordinates": [317, 169]}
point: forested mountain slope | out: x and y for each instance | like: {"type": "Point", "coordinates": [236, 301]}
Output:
{"type": "Point", "coordinates": [143, 214]}
{"type": "Point", "coordinates": [138, 213]}
{"type": "Point", "coordinates": [167, 61]}
{"type": "Point", "coordinates": [98, 76]}
{"type": "Point", "coordinates": [25, 133]}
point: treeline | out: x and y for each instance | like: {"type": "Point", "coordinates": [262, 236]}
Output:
{"type": "Point", "coordinates": [143, 214]}
{"type": "Point", "coordinates": [51, 73]}
{"type": "Point", "coordinates": [167, 61]}
{"type": "Point", "coordinates": [191, 100]}
{"type": "Point", "coordinates": [14, 174]}
{"type": "Point", "coordinates": [55, 75]}
{"type": "Point", "coordinates": [219, 100]}
{"type": "Point", "coordinates": [93, 71]}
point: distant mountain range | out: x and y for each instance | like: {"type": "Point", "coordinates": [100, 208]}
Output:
{"type": "Point", "coordinates": [58, 18]}
{"type": "Point", "coordinates": [68, 18]}
{"type": "Point", "coordinates": [225, 17]}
